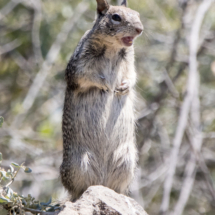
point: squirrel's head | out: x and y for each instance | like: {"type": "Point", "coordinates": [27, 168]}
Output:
{"type": "Point", "coordinates": [118, 25]}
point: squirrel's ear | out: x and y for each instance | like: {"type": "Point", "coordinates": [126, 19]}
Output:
{"type": "Point", "coordinates": [102, 6]}
{"type": "Point", "coordinates": [124, 3]}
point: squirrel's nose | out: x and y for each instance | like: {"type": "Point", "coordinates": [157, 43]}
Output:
{"type": "Point", "coordinates": [139, 30]}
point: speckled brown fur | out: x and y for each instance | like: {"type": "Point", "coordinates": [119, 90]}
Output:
{"type": "Point", "coordinates": [98, 116]}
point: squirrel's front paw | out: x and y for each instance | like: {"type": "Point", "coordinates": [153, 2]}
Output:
{"type": "Point", "coordinates": [122, 89]}
{"type": "Point", "coordinates": [104, 85]}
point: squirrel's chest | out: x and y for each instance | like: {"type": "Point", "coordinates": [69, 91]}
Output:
{"type": "Point", "coordinates": [100, 111]}
{"type": "Point", "coordinates": [114, 69]}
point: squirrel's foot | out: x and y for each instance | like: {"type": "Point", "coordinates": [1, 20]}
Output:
{"type": "Point", "coordinates": [122, 89]}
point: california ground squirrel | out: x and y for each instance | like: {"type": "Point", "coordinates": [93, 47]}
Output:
{"type": "Point", "coordinates": [98, 115]}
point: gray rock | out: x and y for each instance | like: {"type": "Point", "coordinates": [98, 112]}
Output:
{"type": "Point", "coordinates": [99, 200]}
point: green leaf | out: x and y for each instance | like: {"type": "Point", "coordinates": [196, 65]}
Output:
{"type": "Point", "coordinates": [28, 170]}
{"type": "Point", "coordinates": [1, 121]}
{"type": "Point", "coordinates": [24, 202]}
{"type": "Point", "coordinates": [9, 192]}
{"type": "Point", "coordinates": [29, 197]}
{"type": "Point", "coordinates": [4, 200]}
{"type": "Point", "coordinates": [11, 169]}
{"type": "Point", "coordinates": [46, 203]}
{"type": "Point", "coordinates": [54, 208]}
{"type": "Point", "coordinates": [9, 174]}
{"type": "Point", "coordinates": [15, 165]}
{"type": "Point", "coordinates": [4, 175]}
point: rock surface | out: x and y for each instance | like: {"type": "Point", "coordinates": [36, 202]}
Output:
{"type": "Point", "coordinates": [99, 200]}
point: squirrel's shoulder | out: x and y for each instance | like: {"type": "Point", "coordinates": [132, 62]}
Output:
{"type": "Point", "coordinates": [80, 45]}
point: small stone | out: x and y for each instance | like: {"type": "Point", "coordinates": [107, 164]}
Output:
{"type": "Point", "coordinates": [102, 200]}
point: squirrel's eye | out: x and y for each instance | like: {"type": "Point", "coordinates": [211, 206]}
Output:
{"type": "Point", "coordinates": [116, 17]}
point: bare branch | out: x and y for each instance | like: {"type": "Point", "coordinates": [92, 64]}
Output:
{"type": "Point", "coordinates": [10, 46]}
{"type": "Point", "coordinates": [36, 31]}
{"type": "Point", "coordinates": [8, 8]}
{"type": "Point", "coordinates": [199, 158]}
{"type": "Point", "coordinates": [170, 85]}
{"type": "Point", "coordinates": [21, 62]}
{"type": "Point", "coordinates": [176, 145]}
{"type": "Point", "coordinates": [33, 211]}
{"type": "Point", "coordinates": [50, 59]}
{"type": "Point", "coordinates": [210, 135]}
{"type": "Point", "coordinates": [196, 137]}
{"type": "Point", "coordinates": [192, 92]}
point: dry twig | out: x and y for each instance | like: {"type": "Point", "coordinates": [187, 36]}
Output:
{"type": "Point", "coordinates": [192, 102]}
{"type": "Point", "coordinates": [47, 64]}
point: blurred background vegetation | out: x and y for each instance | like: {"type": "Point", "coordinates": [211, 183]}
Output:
{"type": "Point", "coordinates": [37, 38]}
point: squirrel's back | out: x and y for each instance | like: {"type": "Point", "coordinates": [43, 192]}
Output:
{"type": "Point", "coordinates": [98, 116]}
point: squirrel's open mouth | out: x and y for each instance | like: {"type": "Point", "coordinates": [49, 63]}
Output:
{"type": "Point", "coordinates": [128, 41]}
